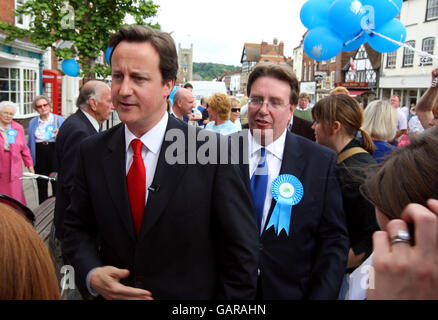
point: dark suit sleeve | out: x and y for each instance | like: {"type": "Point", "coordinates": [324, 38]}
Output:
{"type": "Point", "coordinates": [80, 244]}
{"type": "Point", "coordinates": [237, 235]}
{"type": "Point", "coordinates": [331, 260]}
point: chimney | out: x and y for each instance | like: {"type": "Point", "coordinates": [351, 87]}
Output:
{"type": "Point", "coordinates": [281, 48]}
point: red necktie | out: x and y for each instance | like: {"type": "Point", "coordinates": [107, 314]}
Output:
{"type": "Point", "coordinates": [136, 180]}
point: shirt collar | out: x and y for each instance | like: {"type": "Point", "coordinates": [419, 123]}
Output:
{"type": "Point", "coordinates": [153, 139]}
{"type": "Point", "coordinates": [49, 119]}
{"type": "Point", "coordinates": [276, 148]}
{"type": "Point", "coordinates": [92, 120]}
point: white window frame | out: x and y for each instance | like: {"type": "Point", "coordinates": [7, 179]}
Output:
{"type": "Point", "coordinates": [26, 18]}
{"type": "Point", "coordinates": [431, 10]}
{"type": "Point", "coordinates": [25, 106]}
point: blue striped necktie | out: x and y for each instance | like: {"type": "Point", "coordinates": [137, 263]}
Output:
{"type": "Point", "coordinates": [259, 183]}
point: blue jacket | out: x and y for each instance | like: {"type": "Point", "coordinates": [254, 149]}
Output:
{"type": "Point", "coordinates": [33, 124]}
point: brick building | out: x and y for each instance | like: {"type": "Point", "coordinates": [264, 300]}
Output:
{"type": "Point", "coordinates": [21, 64]}
{"type": "Point", "coordinates": [254, 53]}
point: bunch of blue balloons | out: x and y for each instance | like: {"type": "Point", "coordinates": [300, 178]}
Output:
{"type": "Point", "coordinates": [344, 25]}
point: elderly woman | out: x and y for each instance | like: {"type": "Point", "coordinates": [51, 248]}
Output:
{"type": "Point", "coordinates": [381, 123]}
{"type": "Point", "coordinates": [13, 151]}
{"type": "Point", "coordinates": [42, 133]}
{"type": "Point", "coordinates": [338, 120]}
{"type": "Point", "coordinates": [219, 109]}
{"type": "Point", "coordinates": [235, 113]}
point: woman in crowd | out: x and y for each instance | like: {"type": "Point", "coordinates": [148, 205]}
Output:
{"type": "Point", "coordinates": [408, 175]}
{"type": "Point", "coordinates": [27, 271]}
{"type": "Point", "coordinates": [235, 113]}
{"type": "Point", "coordinates": [219, 109]}
{"type": "Point", "coordinates": [41, 141]}
{"type": "Point", "coordinates": [13, 150]}
{"type": "Point", "coordinates": [338, 120]}
{"type": "Point", "coordinates": [380, 121]}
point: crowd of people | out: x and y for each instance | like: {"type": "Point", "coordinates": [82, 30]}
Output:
{"type": "Point", "coordinates": [319, 192]}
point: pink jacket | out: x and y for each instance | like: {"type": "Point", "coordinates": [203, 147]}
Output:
{"type": "Point", "coordinates": [18, 150]}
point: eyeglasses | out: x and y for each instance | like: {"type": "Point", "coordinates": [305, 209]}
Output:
{"type": "Point", "coordinates": [235, 109]}
{"type": "Point", "coordinates": [10, 114]}
{"type": "Point", "coordinates": [42, 105]}
{"type": "Point", "coordinates": [258, 102]}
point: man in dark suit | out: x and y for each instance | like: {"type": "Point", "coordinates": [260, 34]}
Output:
{"type": "Point", "coordinates": [304, 241]}
{"type": "Point", "coordinates": [94, 107]}
{"type": "Point", "coordinates": [147, 221]}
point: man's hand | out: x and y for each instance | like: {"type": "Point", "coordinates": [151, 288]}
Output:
{"type": "Point", "coordinates": [106, 282]}
{"type": "Point", "coordinates": [403, 271]}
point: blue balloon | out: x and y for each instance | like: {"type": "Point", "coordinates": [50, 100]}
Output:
{"type": "Point", "coordinates": [394, 30]}
{"type": "Point", "coordinates": [70, 67]}
{"type": "Point", "coordinates": [314, 13]}
{"type": "Point", "coordinates": [382, 10]}
{"type": "Point", "coordinates": [345, 16]}
{"type": "Point", "coordinates": [322, 44]}
{"type": "Point", "coordinates": [172, 93]}
{"type": "Point", "coordinates": [108, 54]}
{"type": "Point", "coordinates": [354, 45]}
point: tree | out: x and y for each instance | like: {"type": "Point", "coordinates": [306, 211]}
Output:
{"type": "Point", "coordinates": [84, 25]}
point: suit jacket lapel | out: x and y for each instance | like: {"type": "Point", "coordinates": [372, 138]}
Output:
{"type": "Point", "coordinates": [291, 164]}
{"type": "Point", "coordinates": [166, 178]}
{"type": "Point", "coordinates": [83, 117]}
{"type": "Point", "coordinates": [115, 174]}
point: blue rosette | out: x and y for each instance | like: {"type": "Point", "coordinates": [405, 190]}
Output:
{"type": "Point", "coordinates": [49, 132]}
{"type": "Point", "coordinates": [288, 191]}
{"type": "Point", "coordinates": [11, 134]}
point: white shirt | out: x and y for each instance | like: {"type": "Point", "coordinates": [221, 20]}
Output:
{"type": "Point", "coordinates": [150, 151]}
{"type": "Point", "coordinates": [40, 132]}
{"type": "Point", "coordinates": [274, 158]}
{"type": "Point", "coordinates": [402, 123]}
{"type": "Point", "coordinates": [92, 120]}
{"type": "Point", "coordinates": [415, 125]}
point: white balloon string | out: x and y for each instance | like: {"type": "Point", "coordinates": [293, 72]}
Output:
{"type": "Point", "coordinates": [354, 39]}
{"type": "Point", "coordinates": [401, 44]}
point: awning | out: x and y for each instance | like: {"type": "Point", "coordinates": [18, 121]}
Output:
{"type": "Point", "coordinates": [355, 93]}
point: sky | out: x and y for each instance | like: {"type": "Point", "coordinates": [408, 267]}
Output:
{"type": "Point", "coordinates": [218, 29]}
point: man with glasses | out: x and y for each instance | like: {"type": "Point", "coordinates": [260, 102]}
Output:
{"type": "Point", "coordinates": [296, 197]}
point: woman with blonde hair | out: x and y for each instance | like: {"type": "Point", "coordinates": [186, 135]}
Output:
{"type": "Point", "coordinates": [219, 110]}
{"type": "Point", "coordinates": [27, 271]}
{"type": "Point", "coordinates": [380, 121]}
{"type": "Point", "coordinates": [338, 121]}
{"type": "Point", "coordinates": [13, 152]}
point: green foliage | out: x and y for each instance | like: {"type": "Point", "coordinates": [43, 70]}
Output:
{"type": "Point", "coordinates": [89, 29]}
{"type": "Point", "coordinates": [209, 71]}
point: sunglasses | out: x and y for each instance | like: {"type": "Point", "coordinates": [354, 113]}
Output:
{"type": "Point", "coordinates": [235, 109]}
{"type": "Point", "coordinates": [17, 205]}
{"type": "Point", "coordinates": [42, 105]}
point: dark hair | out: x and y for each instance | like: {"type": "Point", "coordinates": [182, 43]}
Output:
{"type": "Point", "coordinates": [161, 41]}
{"type": "Point", "coordinates": [408, 175]}
{"type": "Point", "coordinates": [283, 72]}
{"type": "Point", "coordinates": [348, 112]}
{"type": "Point", "coordinates": [188, 85]}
